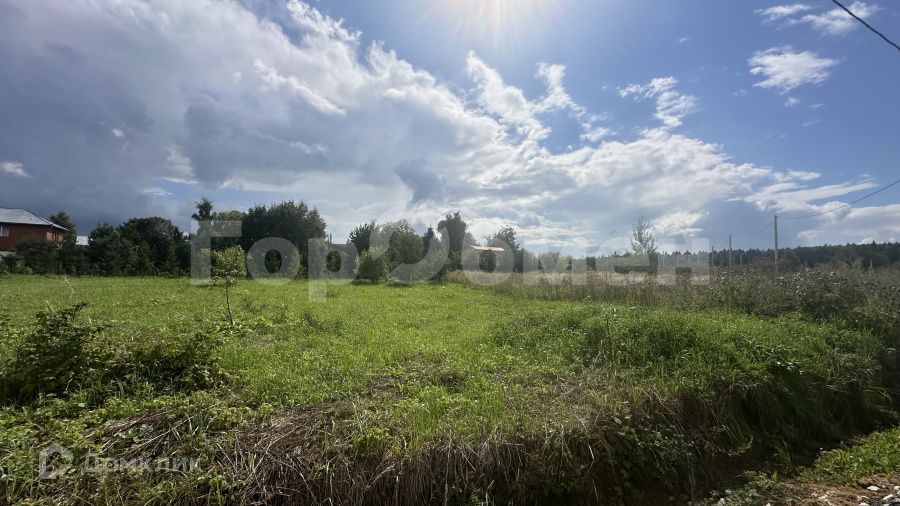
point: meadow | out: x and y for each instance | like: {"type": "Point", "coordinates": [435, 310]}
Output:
{"type": "Point", "coordinates": [440, 392]}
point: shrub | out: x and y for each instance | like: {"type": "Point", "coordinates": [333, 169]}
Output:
{"type": "Point", "coordinates": [62, 354]}
{"type": "Point", "coordinates": [47, 359]}
{"type": "Point", "coordinates": [371, 268]}
{"type": "Point", "coordinates": [41, 256]}
{"type": "Point", "coordinates": [168, 361]}
{"type": "Point", "coordinates": [230, 262]}
{"type": "Point", "coordinates": [11, 262]}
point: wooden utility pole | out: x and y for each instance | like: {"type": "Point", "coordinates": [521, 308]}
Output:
{"type": "Point", "coordinates": [776, 244]}
{"type": "Point", "coordinates": [730, 254]}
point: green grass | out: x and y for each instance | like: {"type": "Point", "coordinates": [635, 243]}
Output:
{"type": "Point", "coordinates": [440, 390]}
{"type": "Point", "coordinates": [877, 453]}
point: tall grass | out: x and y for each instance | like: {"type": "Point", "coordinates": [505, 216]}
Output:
{"type": "Point", "coordinates": [442, 393]}
{"type": "Point", "coordinates": [852, 297]}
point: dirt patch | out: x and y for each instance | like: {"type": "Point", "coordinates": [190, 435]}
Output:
{"type": "Point", "coordinates": [877, 490]}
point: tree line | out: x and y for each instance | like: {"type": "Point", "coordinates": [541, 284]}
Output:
{"type": "Point", "coordinates": [154, 246]}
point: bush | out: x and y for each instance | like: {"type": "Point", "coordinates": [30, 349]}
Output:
{"type": "Point", "coordinates": [371, 268]}
{"type": "Point", "coordinates": [173, 361]}
{"type": "Point", "coordinates": [47, 359]}
{"type": "Point", "coordinates": [61, 355]}
{"type": "Point", "coordinates": [12, 263]}
{"type": "Point", "coordinates": [41, 256]}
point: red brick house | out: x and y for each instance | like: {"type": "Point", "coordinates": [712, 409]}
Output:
{"type": "Point", "coordinates": [16, 225]}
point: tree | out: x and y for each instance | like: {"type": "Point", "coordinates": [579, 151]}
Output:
{"type": "Point", "coordinates": [427, 238]}
{"type": "Point", "coordinates": [63, 220]}
{"type": "Point", "coordinates": [294, 222]}
{"type": "Point", "coordinates": [642, 241]}
{"type": "Point", "coordinates": [159, 235]}
{"type": "Point", "coordinates": [405, 245]}
{"type": "Point", "coordinates": [361, 236]}
{"type": "Point", "coordinates": [106, 251]}
{"type": "Point", "coordinates": [71, 257]}
{"type": "Point", "coordinates": [40, 255]}
{"type": "Point", "coordinates": [371, 268]}
{"type": "Point", "coordinates": [506, 236]}
{"type": "Point", "coordinates": [643, 244]}
{"type": "Point", "coordinates": [455, 228]}
{"type": "Point", "coordinates": [204, 210]}
{"type": "Point", "coordinates": [229, 266]}
{"type": "Point", "coordinates": [222, 243]}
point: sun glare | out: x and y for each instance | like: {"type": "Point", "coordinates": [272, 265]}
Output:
{"type": "Point", "coordinates": [505, 23]}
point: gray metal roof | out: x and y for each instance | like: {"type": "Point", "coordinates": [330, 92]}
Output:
{"type": "Point", "coordinates": [23, 217]}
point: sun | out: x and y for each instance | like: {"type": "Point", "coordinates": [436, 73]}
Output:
{"type": "Point", "coordinates": [499, 22]}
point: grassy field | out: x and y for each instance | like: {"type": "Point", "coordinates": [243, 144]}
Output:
{"type": "Point", "coordinates": [429, 393]}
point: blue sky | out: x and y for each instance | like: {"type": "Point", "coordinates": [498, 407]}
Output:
{"type": "Point", "coordinates": [568, 120]}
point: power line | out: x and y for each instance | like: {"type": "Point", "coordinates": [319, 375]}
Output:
{"type": "Point", "coordinates": [876, 192]}
{"type": "Point", "coordinates": [760, 230]}
{"type": "Point", "coordinates": [867, 25]}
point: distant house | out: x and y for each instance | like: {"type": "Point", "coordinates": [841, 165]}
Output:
{"type": "Point", "coordinates": [17, 225]}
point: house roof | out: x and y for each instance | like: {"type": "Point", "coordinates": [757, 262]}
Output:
{"type": "Point", "coordinates": [23, 217]}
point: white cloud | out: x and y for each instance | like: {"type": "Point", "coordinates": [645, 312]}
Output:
{"type": "Point", "coordinates": [357, 131]}
{"type": "Point", "coordinates": [276, 81]}
{"type": "Point", "coordinates": [557, 98]}
{"type": "Point", "coordinates": [596, 134]}
{"type": "Point", "coordinates": [13, 168]}
{"type": "Point", "coordinates": [854, 224]}
{"type": "Point", "coordinates": [788, 195]}
{"type": "Point", "coordinates": [156, 191]}
{"type": "Point", "coordinates": [679, 223]}
{"type": "Point", "coordinates": [792, 102]}
{"type": "Point", "coordinates": [781, 11]}
{"type": "Point", "coordinates": [836, 21]}
{"type": "Point", "coordinates": [785, 69]}
{"type": "Point", "coordinates": [508, 103]}
{"type": "Point", "coordinates": [671, 106]}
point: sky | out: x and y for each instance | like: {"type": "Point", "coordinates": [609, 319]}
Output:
{"type": "Point", "coordinates": [568, 120]}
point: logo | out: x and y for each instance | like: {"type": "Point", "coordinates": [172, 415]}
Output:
{"type": "Point", "coordinates": [54, 461]}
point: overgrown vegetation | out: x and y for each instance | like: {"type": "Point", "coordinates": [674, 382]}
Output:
{"type": "Point", "coordinates": [850, 297]}
{"type": "Point", "coordinates": [429, 393]}
{"type": "Point", "coordinates": [60, 354]}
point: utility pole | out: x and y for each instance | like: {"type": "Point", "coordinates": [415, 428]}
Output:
{"type": "Point", "coordinates": [730, 254]}
{"type": "Point", "coordinates": [776, 244]}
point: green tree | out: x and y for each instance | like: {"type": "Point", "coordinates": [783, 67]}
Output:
{"type": "Point", "coordinates": [371, 268]}
{"type": "Point", "coordinates": [361, 236]}
{"type": "Point", "coordinates": [40, 255]}
{"type": "Point", "coordinates": [153, 237]}
{"type": "Point", "coordinates": [294, 222]}
{"type": "Point", "coordinates": [106, 250]}
{"type": "Point", "coordinates": [72, 258]}
{"type": "Point", "coordinates": [456, 230]}
{"type": "Point", "coordinates": [506, 237]}
{"type": "Point", "coordinates": [204, 210]}
{"type": "Point", "coordinates": [427, 239]}
{"type": "Point", "coordinates": [65, 221]}
{"type": "Point", "coordinates": [405, 245]}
